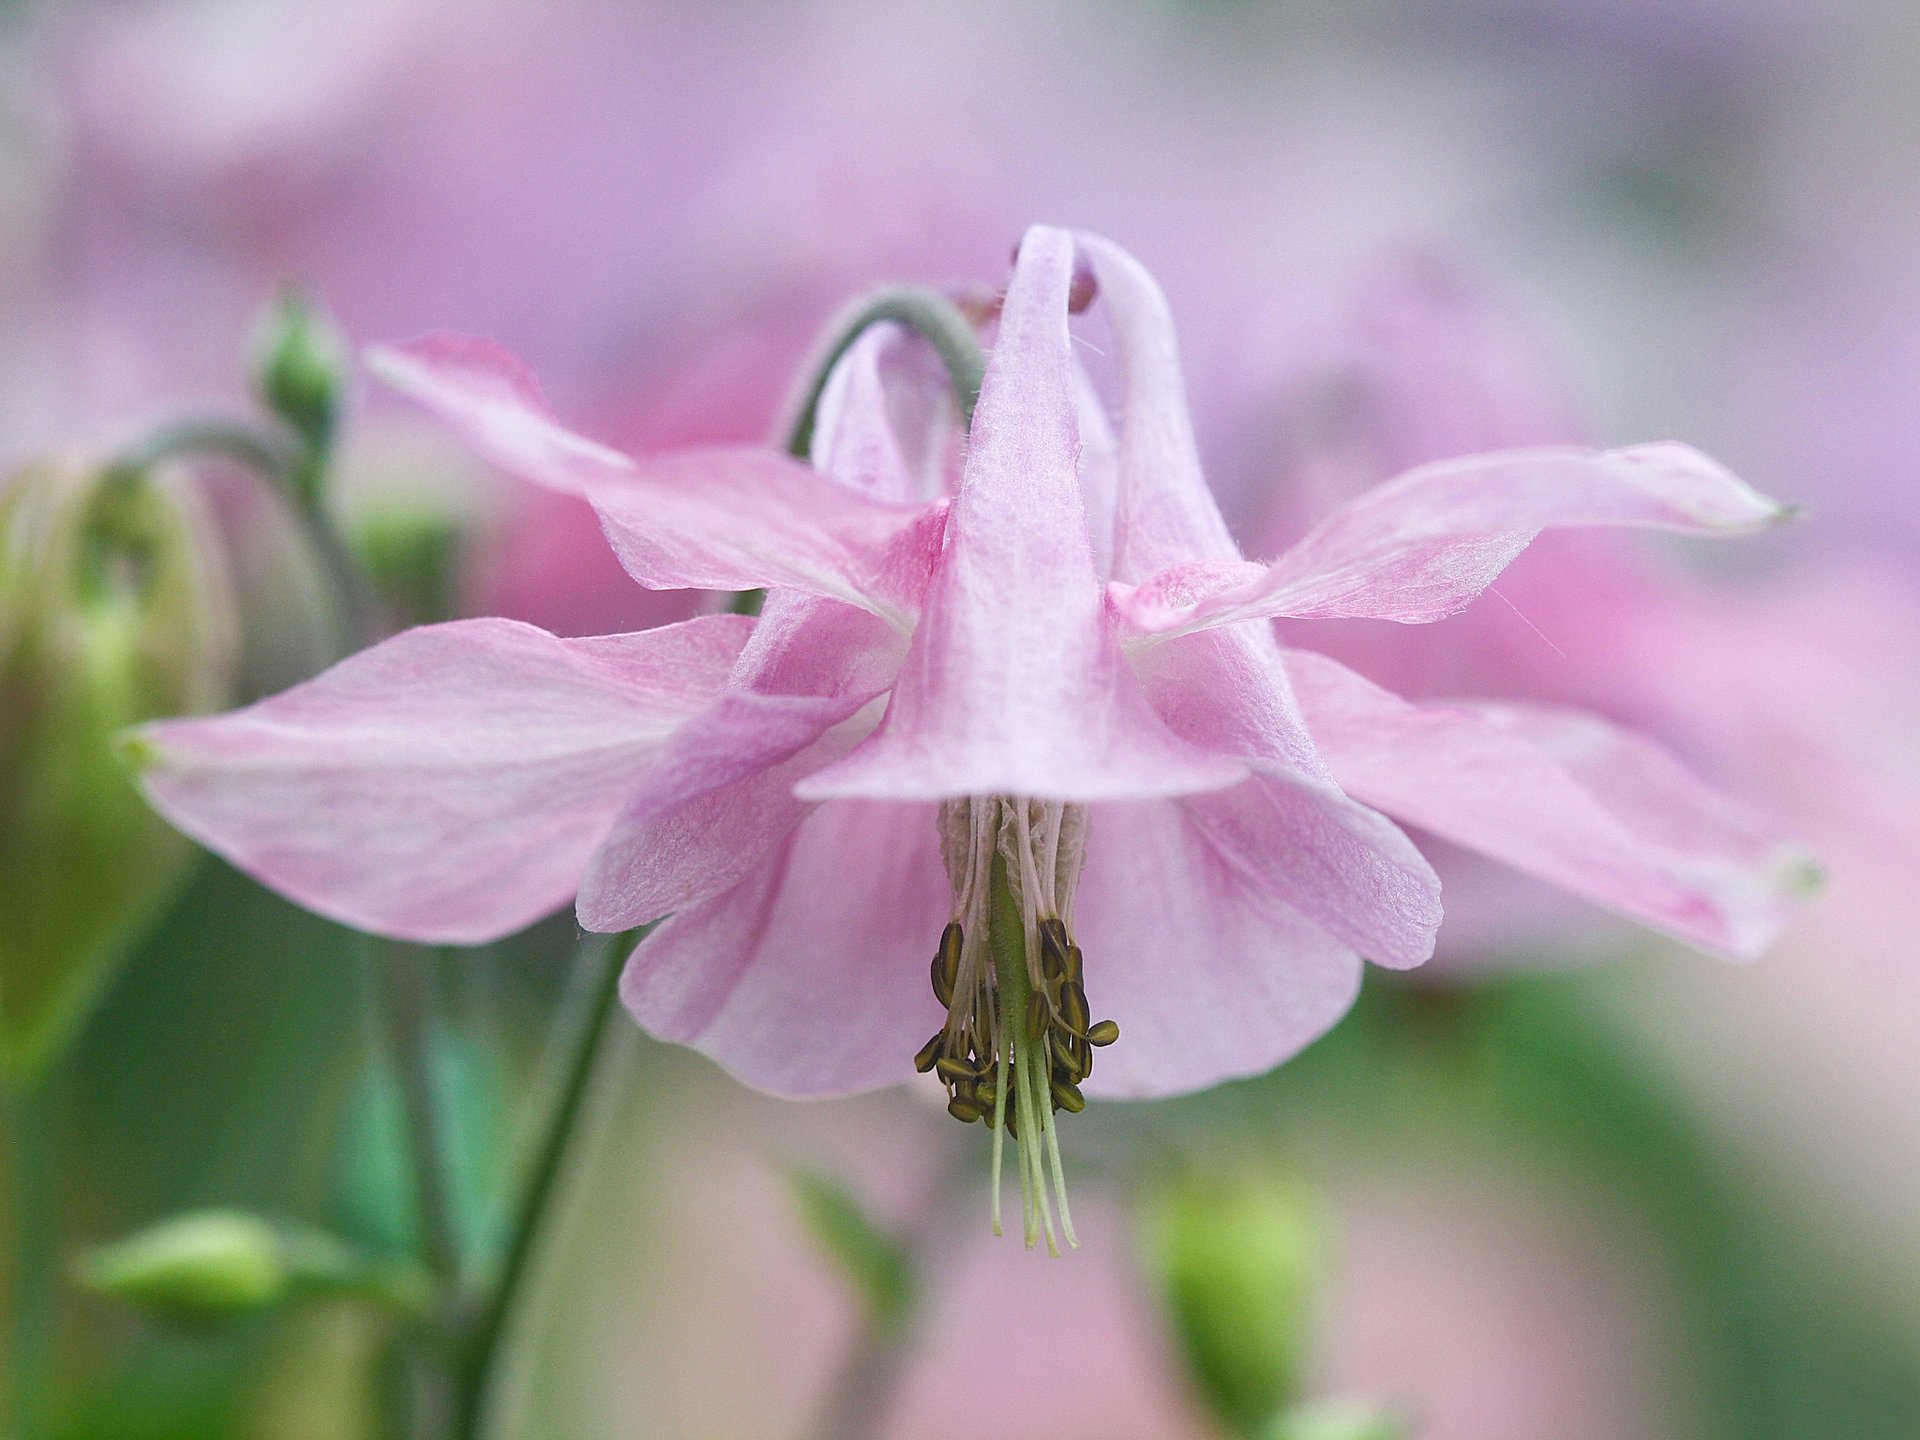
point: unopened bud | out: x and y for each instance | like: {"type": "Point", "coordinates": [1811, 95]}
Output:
{"type": "Point", "coordinates": [1339, 1420]}
{"type": "Point", "coordinates": [215, 1264]}
{"type": "Point", "coordinates": [1238, 1260]}
{"type": "Point", "coordinates": [114, 609]}
{"type": "Point", "coordinates": [300, 367]}
{"type": "Point", "coordinates": [202, 1266]}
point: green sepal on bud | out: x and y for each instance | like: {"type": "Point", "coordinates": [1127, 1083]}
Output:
{"type": "Point", "coordinates": [212, 1265]}
{"type": "Point", "coordinates": [1339, 1420]}
{"type": "Point", "coordinates": [877, 1265]}
{"type": "Point", "coordinates": [115, 608]}
{"type": "Point", "coordinates": [300, 366]}
{"type": "Point", "coordinates": [1237, 1259]}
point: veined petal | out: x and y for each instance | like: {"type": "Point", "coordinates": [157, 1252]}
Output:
{"type": "Point", "coordinates": [447, 785]}
{"type": "Point", "coordinates": [721, 795]}
{"type": "Point", "coordinates": [493, 402]}
{"type": "Point", "coordinates": [856, 439]}
{"type": "Point", "coordinates": [1421, 547]}
{"type": "Point", "coordinates": [809, 977]}
{"type": "Point", "coordinates": [1208, 976]}
{"type": "Point", "coordinates": [1288, 829]}
{"type": "Point", "coordinates": [1015, 682]}
{"type": "Point", "coordinates": [703, 519]}
{"type": "Point", "coordinates": [1566, 797]}
{"type": "Point", "coordinates": [746, 519]}
{"type": "Point", "coordinates": [1166, 513]}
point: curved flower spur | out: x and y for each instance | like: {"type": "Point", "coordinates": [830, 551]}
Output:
{"type": "Point", "coordinates": [1018, 711]}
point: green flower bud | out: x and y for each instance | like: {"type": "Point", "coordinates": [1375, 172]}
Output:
{"type": "Point", "coordinates": [114, 609]}
{"type": "Point", "coordinates": [300, 368]}
{"type": "Point", "coordinates": [1339, 1420]}
{"type": "Point", "coordinates": [201, 1266]}
{"type": "Point", "coordinates": [1237, 1259]}
{"type": "Point", "coordinates": [215, 1264]}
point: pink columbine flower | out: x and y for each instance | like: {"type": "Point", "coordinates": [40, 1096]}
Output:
{"type": "Point", "coordinates": [1037, 718]}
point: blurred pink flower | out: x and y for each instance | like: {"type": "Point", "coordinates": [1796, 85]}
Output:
{"type": "Point", "coordinates": [455, 782]}
{"type": "Point", "coordinates": [1787, 683]}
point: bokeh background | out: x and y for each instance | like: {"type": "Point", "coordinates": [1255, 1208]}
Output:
{"type": "Point", "coordinates": [1567, 1182]}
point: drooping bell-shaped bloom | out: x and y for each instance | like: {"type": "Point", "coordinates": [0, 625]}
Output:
{"type": "Point", "coordinates": [1037, 727]}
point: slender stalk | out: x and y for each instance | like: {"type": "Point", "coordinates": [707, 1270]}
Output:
{"type": "Point", "coordinates": [30, 1328]}
{"type": "Point", "coordinates": [926, 312]}
{"type": "Point", "coordinates": [478, 1377]}
{"type": "Point", "coordinates": [405, 978]}
{"type": "Point", "coordinates": [288, 471]}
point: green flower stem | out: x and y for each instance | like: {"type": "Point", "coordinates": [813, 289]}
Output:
{"type": "Point", "coordinates": [407, 1002]}
{"type": "Point", "coordinates": [288, 470]}
{"type": "Point", "coordinates": [477, 1376]}
{"type": "Point", "coordinates": [30, 1326]}
{"type": "Point", "coordinates": [928, 314]}
{"type": "Point", "coordinates": [404, 980]}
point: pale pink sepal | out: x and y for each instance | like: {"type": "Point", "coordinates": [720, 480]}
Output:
{"type": "Point", "coordinates": [447, 785]}
{"type": "Point", "coordinates": [721, 795]}
{"type": "Point", "coordinates": [703, 519]}
{"type": "Point", "coordinates": [488, 397]}
{"type": "Point", "coordinates": [1422, 547]}
{"type": "Point", "coordinates": [1567, 797]}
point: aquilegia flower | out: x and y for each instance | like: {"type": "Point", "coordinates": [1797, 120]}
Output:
{"type": "Point", "coordinates": [1037, 727]}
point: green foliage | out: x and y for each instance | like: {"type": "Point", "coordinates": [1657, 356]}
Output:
{"type": "Point", "coordinates": [1237, 1258]}
{"type": "Point", "coordinates": [376, 1199]}
{"type": "Point", "coordinates": [114, 609]}
{"type": "Point", "coordinates": [872, 1259]}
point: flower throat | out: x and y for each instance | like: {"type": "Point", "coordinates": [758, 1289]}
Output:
{"type": "Point", "coordinates": [1019, 1039]}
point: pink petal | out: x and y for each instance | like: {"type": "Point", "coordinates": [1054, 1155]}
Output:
{"type": "Point", "coordinates": [1015, 682]}
{"type": "Point", "coordinates": [721, 793]}
{"type": "Point", "coordinates": [713, 519]}
{"type": "Point", "coordinates": [1564, 796]}
{"type": "Point", "coordinates": [447, 785]}
{"type": "Point", "coordinates": [856, 439]}
{"type": "Point", "coordinates": [1421, 547]}
{"type": "Point", "coordinates": [1209, 977]}
{"type": "Point", "coordinates": [488, 397]}
{"type": "Point", "coordinates": [1167, 514]}
{"type": "Point", "coordinates": [809, 977]}
{"type": "Point", "coordinates": [746, 519]}
{"type": "Point", "coordinates": [1288, 828]}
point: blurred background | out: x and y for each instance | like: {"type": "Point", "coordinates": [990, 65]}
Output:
{"type": "Point", "coordinates": [1568, 1181]}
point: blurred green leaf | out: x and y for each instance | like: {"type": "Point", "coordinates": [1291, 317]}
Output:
{"type": "Point", "coordinates": [375, 1199]}
{"type": "Point", "coordinates": [1238, 1259]}
{"type": "Point", "coordinates": [874, 1262]}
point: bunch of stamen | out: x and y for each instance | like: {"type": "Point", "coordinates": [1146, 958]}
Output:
{"type": "Point", "coordinates": [1019, 1038]}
